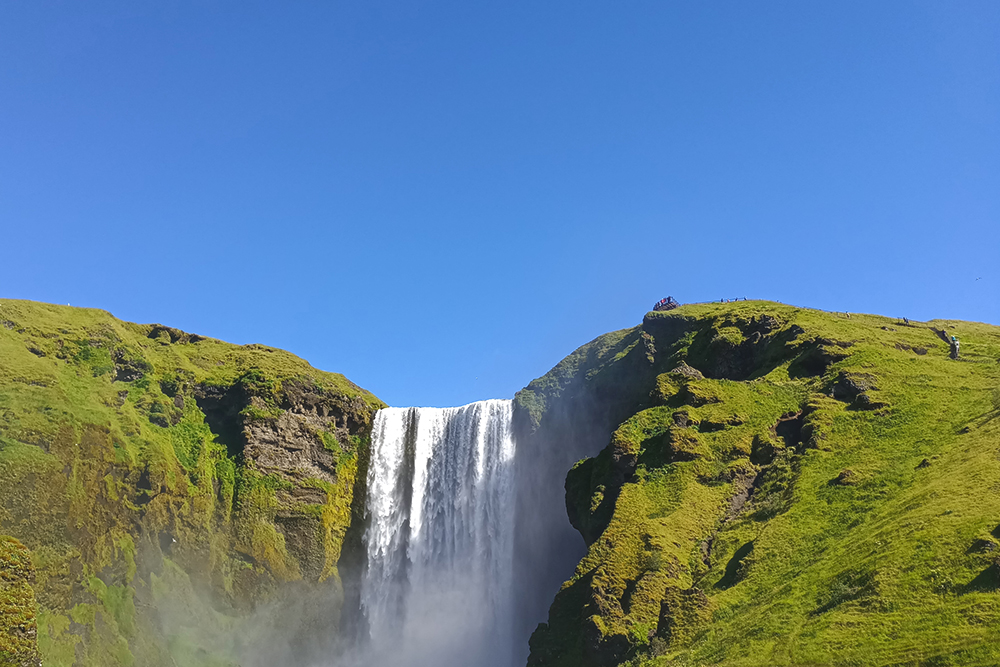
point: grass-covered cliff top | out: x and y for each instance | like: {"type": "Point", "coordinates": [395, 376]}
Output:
{"type": "Point", "coordinates": [780, 486]}
{"type": "Point", "coordinates": [36, 337]}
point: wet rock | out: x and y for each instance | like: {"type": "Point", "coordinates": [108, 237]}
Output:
{"type": "Point", "coordinates": [306, 494]}
{"type": "Point", "coordinates": [304, 541]}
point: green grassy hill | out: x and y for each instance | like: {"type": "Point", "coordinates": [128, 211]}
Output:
{"type": "Point", "coordinates": [167, 486]}
{"type": "Point", "coordinates": [780, 486]}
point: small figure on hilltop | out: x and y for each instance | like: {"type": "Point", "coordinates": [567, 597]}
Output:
{"type": "Point", "coordinates": [668, 303]}
{"type": "Point", "coordinates": [954, 347]}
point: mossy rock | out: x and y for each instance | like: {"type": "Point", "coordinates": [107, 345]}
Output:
{"type": "Point", "coordinates": [18, 607]}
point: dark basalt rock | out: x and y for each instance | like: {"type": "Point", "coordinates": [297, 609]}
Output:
{"type": "Point", "coordinates": [165, 335]}
{"type": "Point", "coordinates": [289, 443]}
{"type": "Point", "coordinates": [128, 369]}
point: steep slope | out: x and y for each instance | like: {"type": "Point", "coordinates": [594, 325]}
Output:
{"type": "Point", "coordinates": [169, 487]}
{"type": "Point", "coordinates": [778, 486]}
{"type": "Point", "coordinates": [18, 607]}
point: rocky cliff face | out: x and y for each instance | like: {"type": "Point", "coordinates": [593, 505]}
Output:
{"type": "Point", "coordinates": [773, 486]}
{"type": "Point", "coordinates": [184, 501]}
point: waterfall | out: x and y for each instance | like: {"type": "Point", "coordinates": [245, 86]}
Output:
{"type": "Point", "coordinates": [438, 586]}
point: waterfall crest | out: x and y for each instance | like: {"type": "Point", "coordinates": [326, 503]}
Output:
{"type": "Point", "coordinates": [438, 586]}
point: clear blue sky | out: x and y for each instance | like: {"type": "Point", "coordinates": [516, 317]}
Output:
{"type": "Point", "coordinates": [442, 199]}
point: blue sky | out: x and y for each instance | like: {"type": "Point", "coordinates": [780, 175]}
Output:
{"type": "Point", "coordinates": [443, 199]}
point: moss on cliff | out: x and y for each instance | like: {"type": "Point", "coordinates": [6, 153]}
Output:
{"type": "Point", "coordinates": [134, 454]}
{"type": "Point", "coordinates": [780, 486]}
{"type": "Point", "coordinates": [18, 608]}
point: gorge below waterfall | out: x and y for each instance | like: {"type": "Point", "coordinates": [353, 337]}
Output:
{"type": "Point", "coordinates": [438, 587]}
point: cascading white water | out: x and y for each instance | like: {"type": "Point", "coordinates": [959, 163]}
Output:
{"type": "Point", "coordinates": [439, 582]}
